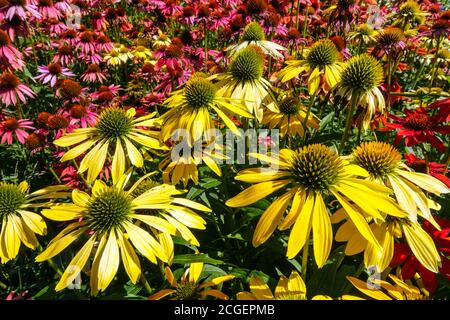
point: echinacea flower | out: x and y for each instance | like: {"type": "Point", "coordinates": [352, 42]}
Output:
{"type": "Point", "coordinates": [11, 127]}
{"type": "Point", "coordinates": [389, 42]}
{"type": "Point", "coordinates": [384, 165]}
{"type": "Point", "coordinates": [12, 90]}
{"type": "Point", "coordinates": [308, 175]}
{"type": "Point", "coordinates": [419, 126]}
{"type": "Point", "coordinates": [18, 223]}
{"type": "Point", "coordinates": [9, 55]}
{"type": "Point", "coordinates": [93, 74]}
{"type": "Point", "coordinates": [358, 86]}
{"type": "Point", "coordinates": [189, 287]}
{"type": "Point", "coordinates": [183, 167]}
{"type": "Point", "coordinates": [410, 14]}
{"type": "Point", "coordinates": [50, 73]}
{"type": "Point", "coordinates": [321, 61]}
{"type": "Point", "coordinates": [290, 118]}
{"type": "Point", "coordinates": [244, 81]}
{"type": "Point", "coordinates": [254, 35]}
{"type": "Point", "coordinates": [400, 290]}
{"type": "Point", "coordinates": [363, 34]}
{"type": "Point", "coordinates": [82, 115]}
{"type": "Point", "coordinates": [108, 219]}
{"type": "Point", "coordinates": [387, 233]}
{"type": "Point", "coordinates": [142, 53]}
{"type": "Point", "coordinates": [191, 108]}
{"type": "Point", "coordinates": [114, 130]}
{"type": "Point", "coordinates": [292, 288]}
{"type": "Point", "coordinates": [117, 56]}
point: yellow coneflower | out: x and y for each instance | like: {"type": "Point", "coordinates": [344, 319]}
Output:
{"type": "Point", "coordinates": [190, 109]}
{"type": "Point", "coordinates": [384, 165]}
{"type": "Point", "coordinates": [309, 174]}
{"type": "Point", "coordinates": [364, 34]}
{"type": "Point", "coordinates": [118, 55]}
{"type": "Point", "coordinates": [18, 223]}
{"type": "Point", "coordinates": [115, 130]}
{"type": "Point", "coordinates": [290, 118]}
{"type": "Point", "coordinates": [244, 81]}
{"type": "Point", "coordinates": [292, 288]}
{"type": "Point", "coordinates": [397, 291]}
{"type": "Point", "coordinates": [189, 286]}
{"type": "Point", "coordinates": [321, 61]}
{"type": "Point", "coordinates": [386, 232]}
{"type": "Point", "coordinates": [108, 218]}
{"type": "Point", "coordinates": [359, 87]}
{"type": "Point", "coordinates": [160, 40]}
{"type": "Point", "coordinates": [254, 35]}
{"type": "Point", "coordinates": [410, 14]}
{"type": "Point", "coordinates": [183, 167]}
{"type": "Point", "coordinates": [142, 53]}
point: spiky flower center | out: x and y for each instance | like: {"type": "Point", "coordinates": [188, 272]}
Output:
{"type": "Point", "coordinates": [11, 199]}
{"type": "Point", "coordinates": [186, 291]}
{"type": "Point", "coordinates": [78, 111]}
{"type": "Point", "coordinates": [248, 65]}
{"type": "Point", "coordinates": [289, 106]}
{"type": "Point", "coordinates": [253, 32]}
{"type": "Point", "coordinates": [378, 158]}
{"type": "Point", "coordinates": [93, 68]}
{"type": "Point", "coordinates": [390, 37]}
{"type": "Point", "coordinates": [409, 8]}
{"type": "Point", "coordinates": [70, 88]}
{"type": "Point", "coordinates": [199, 92]}
{"type": "Point", "coordinates": [65, 49]}
{"type": "Point", "coordinates": [9, 81]}
{"type": "Point", "coordinates": [108, 210]}
{"type": "Point", "coordinates": [322, 53]}
{"type": "Point", "coordinates": [362, 73]}
{"type": "Point", "coordinates": [54, 68]}
{"type": "Point", "coordinates": [18, 2]}
{"type": "Point", "coordinates": [417, 121]}
{"type": "Point", "coordinates": [114, 123]}
{"type": "Point", "coordinates": [4, 39]}
{"type": "Point", "coordinates": [57, 122]}
{"type": "Point", "coordinates": [10, 124]}
{"type": "Point", "coordinates": [316, 167]}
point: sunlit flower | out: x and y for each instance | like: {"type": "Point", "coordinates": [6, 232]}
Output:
{"type": "Point", "coordinates": [9, 55]}
{"type": "Point", "coordinates": [50, 73]}
{"type": "Point", "coordinates": [190, 287]}
{"type": "Point", "coordinates": [12, 90]}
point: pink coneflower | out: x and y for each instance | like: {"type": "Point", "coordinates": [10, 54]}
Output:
{"type": "Point", "coordinates": [63, 5]}
{"type": "Point", "coordinates": [99, 21]}
{"type": "Point", "coordinates": [152, 99]}
{"type": "Point", "coordinates": [48, 10]}
{"type": "Point", "coordinates": [21, 8]}
{"type": "Point", "coordinates": [94, 74]}
{"type": "Point", "coordinates": [86, 43]}
{"type": "Point", "coordinates": [103, 43]}
{"type": "Point", "coordinates": [69, 89]}
{"type": "Point", "coordinates": [11, 127]}
{"type": "Point", "coordinates": [168, 7]}
{"type": "Point", "coordinates": [12, 90]}
{"type": "Point", "coordinates": [65, 55]}
{"type": "Point", "coordinates": [83, 116]}
{"type": "Point", "coordinates": [55, 27]}
{"type": "Point", "coordinates": [70, 37]}
{"type": "Point", "coordinates": [15, 26]}
{"type": "Point", "coordinates": [188, 15]}
{"type": "Point", "coordinates": [35, 142]}
{"type": "Point", "coordinates": [111, 91]}
{"type": "Point", "coordinates": [172, 57]}
{"type": "Point", "coordinates": [9, 55]}
{"type": "Point", "coordinates": [50, 73]}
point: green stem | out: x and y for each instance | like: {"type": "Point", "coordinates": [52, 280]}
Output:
{"type": "Point", "coordinates": [146, 285]}
{"type": "Point", "coordinates": [54, 174]}
{"type": "Point", "coordinates": [308, 112]}
{"type": "Point", "coordinates": [305, 261]}
{"type": "Point", "coordinates": [433, 66]}
{"type": "Point", "coordinates": [53, 265]}
{"type": "Point", "coordinates": [3, 286]}
{"type": "Point", "coordinates": [348, 123]}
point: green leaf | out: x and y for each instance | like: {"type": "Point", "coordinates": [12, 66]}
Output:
{"type": "Point", "coordinates": [190, 258]}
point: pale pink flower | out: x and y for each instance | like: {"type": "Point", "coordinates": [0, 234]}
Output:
{"type": "Point", "coordinates": [12, 90]}
{"type": "Point", "coordinates": [12, 127]}
{"type": "Point", "coordinates": [50, 73]}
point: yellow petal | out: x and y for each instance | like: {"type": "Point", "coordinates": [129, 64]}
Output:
{"type": "Point", "coordinates": [322, 232]}
{"type": "Point", "coordinates": [78, 150]}
{"type": "Point", "coordinates": [118, 163]}
{"type": "Point", "coordinates": [260, 289]}
{"type": "Point", "coordinates": [300, 231]}
{"type": "Point", "coordinates": [56, 246]}
{"type": "Point", "coordinates": [145, 243]}
{"type": "Point", "coordinates": [109, 262]}
{"type": "Point", "coordinates": [134, 154]}
{"type": "Point", "coordinates": [76, 265]}
{"type": "Point", "coordinates": [195, 270]}
{"type": "Point", "coordinates": [256, 192]}
{"type": "Point", "coordinates": [34, 221]}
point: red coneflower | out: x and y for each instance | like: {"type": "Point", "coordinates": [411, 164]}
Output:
{"type": "Point", "coordinates": [417, 127]}
{"type": "Point", "coordinates": [12, 90]}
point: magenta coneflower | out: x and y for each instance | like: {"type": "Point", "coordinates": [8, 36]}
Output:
{"type": "Point", "coordinates": [94, 74]}
{"type": "Point", "coordinates": [112, 90]}
{"type": "Point", "coordinates": [55, 26]}
{"type": "Point", "coordinates": [50, 73]}
{"type": "Point", "coordinates": [82, 116]}
{"type": "Point", "coordinates": [12, 90]}
{"type": "Point", "coordinates": [20, 8]}
{"type": "Point", "coordinates": [103, 43]}
{"type": "Point", "coordinates": [11, 127]}
{"type": "Point", "coordinates": [47, 9]}
{"type": "Point", "coordinates": [65, 55]}
{"type": "Point", "coordinates": [10, 57]}
{"type": "Point", "coordinates": [69, 89]}
{"type": "Point", "coordinates": [70, 37]}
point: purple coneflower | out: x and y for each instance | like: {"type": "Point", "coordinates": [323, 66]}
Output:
{"type": "Point", "coordinates": [9, 55]}
{"type": "Point", "coordinates": [64, 55]}
{"type": "Point", "coordinates": [48, 10]}
{"type": "Point", "coordinates": [94, 74]}
{"type": "Point", "coordinates": [20, 8]}
{"type": "Point", "coordinates": [50, 73]}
